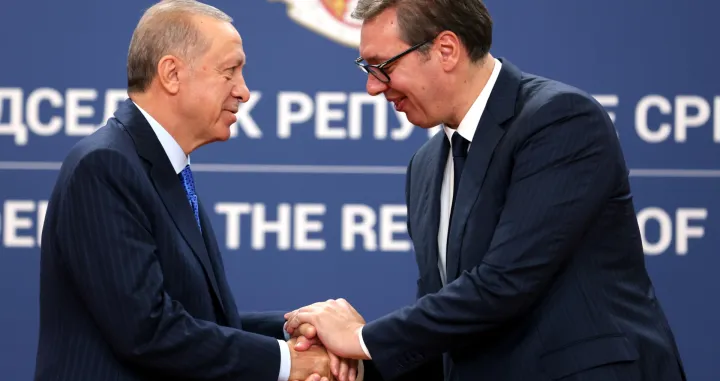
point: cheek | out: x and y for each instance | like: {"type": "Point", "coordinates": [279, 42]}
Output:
{"type": "Point", "coordinates": [213, 96]}
{"type": "Point", "coordinates": [413, 84]}
{"type": "Point", "coordinates": [223, 92]}
{"type": "Point", "coordinates": [416, 90]}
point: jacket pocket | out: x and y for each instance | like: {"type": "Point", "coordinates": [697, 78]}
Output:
{"type": "Point", "coordinates": [587, 354]}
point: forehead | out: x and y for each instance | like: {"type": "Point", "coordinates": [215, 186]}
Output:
{"type": "Point", "coordinates": [380, 38]}
{"type": "Point", "coordinates": [225, 41]}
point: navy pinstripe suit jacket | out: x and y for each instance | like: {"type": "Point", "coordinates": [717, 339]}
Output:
{"type": "Point", "coordinates": [546, 272]}
{"type": "Point", "coordinates": [130, 288]}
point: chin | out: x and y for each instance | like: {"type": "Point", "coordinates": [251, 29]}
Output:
{"type": "Point", "coordinates": [221, 129]}
{"type": "Point", "coordinates": [223, 137]}
{"type": "Point", "coordinates": [420, 119]}
{"type": "Point", "coordinates": [422, 123]}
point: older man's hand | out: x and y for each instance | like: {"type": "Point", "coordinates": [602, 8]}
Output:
{"type": "Point", "coordinates": [336, 324]}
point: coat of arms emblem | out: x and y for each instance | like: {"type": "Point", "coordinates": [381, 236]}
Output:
{"type": "Point", "coordinates": [329, 18]}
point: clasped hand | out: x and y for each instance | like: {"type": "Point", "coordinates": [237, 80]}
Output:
{"type": "Point", "coordinates": [335, 325]}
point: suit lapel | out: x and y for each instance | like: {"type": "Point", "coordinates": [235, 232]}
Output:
{"type": "Point", "coordinates": [167, 184]}
{"type": "Point", "coordinates": [225, 295]}
{"type": "Point", "coordinates": [208, 236]}
{"type": "Point", "coordinates": [490, 130]}
{"type": "Point", "coordinates": [438, 154]}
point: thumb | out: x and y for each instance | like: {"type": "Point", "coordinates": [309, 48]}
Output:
{"type": "Point", "coordinates": [303, 343]}
{"type": "Point", "coordinates": [307, 330]}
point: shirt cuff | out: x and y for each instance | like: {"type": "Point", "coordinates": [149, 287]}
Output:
{"type": "Point", "coordinates": [362, 343]}
{"type": "Point", "coordinates": [285, 361]}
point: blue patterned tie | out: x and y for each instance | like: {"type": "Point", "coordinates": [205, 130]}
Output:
{"type": "Point", "coordinates": [189, 185]}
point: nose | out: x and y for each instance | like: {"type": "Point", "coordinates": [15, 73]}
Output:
{"type": "Point", "coordinates": [240, 91]}
{"type": "Point", "coordinates": [374, 86]}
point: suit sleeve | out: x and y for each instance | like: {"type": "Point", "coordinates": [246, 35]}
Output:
{"type": "Point", "coordinates": [264, 323]}
{"type": "Point", "coordinates": [428, 371]}
{"type": "Point", "coordinates": [563, 173]}
{"type": "Point", "coordinates": [110, 254]}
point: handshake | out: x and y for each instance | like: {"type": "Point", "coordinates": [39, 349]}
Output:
{"type": "Point", "coordinates": [325, 343]}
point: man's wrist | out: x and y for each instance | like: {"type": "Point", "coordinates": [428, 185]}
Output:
{"type": "Point", "coordinates": [362, 342]}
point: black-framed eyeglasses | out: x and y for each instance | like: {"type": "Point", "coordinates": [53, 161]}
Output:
{"type": "Point", "coordinates": [377, 70]}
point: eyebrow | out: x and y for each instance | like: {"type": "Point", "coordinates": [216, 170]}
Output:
{"type": "Point", "coordinates": [375, 59]}
{"type": "Point", "coordinates": [236, 62]}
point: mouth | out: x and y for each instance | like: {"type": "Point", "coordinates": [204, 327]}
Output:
{"type": "Point", "coordinates": [399, 103]}
{"type": "Point", "coordinates": [233, 117]}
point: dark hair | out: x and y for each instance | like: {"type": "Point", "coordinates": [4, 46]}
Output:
{"type": "Point", "coordinates": [422, 20]}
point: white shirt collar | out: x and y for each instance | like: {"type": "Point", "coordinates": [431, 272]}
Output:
{"type": "Point", "coordinates": [174, 152]}
{"type": "Point", "coordinates": [469, 124]}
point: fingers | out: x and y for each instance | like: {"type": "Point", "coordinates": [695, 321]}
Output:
{"type": "Point", "coordinates": [290, 328]}
{"type": "Point", "coordinates": [290, 314]}
{"type": "Point", "coordinates": [293, 317]}
{"type": "Point", "coordinates": [314, 377]}
{"type": "Point", "coordinates": [293, 323]}
{"type": "Point", "coordinates": [307, 330]}
{"type": "Point", "coordinates": [343, 369]}
{"type": "Point", "coordinates": [309, 314]}
{"type": "Point", "coordinates": [305, 335]}
{"type": "Point", "coordinates": [334, 364]}
{"type": "Point", "coordinates": [344, 303]}
{"type": "Point", "coordinates": [303, 343]}
{"type": "Point", "coordinates": [343, 373]}
{"type": "Point", "coordinates": [352, 375]}
{"type": "Point", "coordinates": [304, 330]}
{"type": "Point", "coordinates": [287, 328]}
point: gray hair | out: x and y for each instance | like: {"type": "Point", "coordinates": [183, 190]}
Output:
{"type": "Point", "coordinates": [166, 28]}
{"type": "Point", "coordinates": [422, 20]}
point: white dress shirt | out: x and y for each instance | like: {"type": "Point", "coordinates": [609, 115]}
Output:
{"type": "Point", "coordinates": [466, 129]}
{"type": "Point", "coordinates": [179, 160]}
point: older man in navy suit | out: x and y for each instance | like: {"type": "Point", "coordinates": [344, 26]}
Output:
{"type": "Point", "coordinates": [520, 212]}
{"type": "Point", "coordinates": [132, 280]}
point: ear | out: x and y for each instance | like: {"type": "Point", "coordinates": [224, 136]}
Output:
{"type": "Point", "coordinates": [168, 73]}
{"type": "Point", "coordinates": [449, 47]}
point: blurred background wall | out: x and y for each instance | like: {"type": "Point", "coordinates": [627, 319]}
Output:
{"type": "Point", "coordinates": [308, 194]}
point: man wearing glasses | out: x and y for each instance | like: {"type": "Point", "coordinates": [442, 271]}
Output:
{"type": "Point", "coordinates": [530, 260]}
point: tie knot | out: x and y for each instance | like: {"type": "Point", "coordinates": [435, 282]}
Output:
{"type": "Point", "coordinates": [187, 177]}
{"type": "Point", "coordinates": [186, 171]}
{"type": "Point", "coordinates": [459, 145]}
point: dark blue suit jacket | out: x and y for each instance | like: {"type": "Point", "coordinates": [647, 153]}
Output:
{"type": "Point", "coordinates": [130, 288]}
{"type": "Point", "coordinates": [546, 272]}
